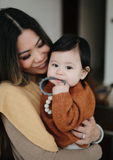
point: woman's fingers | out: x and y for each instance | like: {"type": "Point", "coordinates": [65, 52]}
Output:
{"type": "Point", "coordinates": [81, 142]}
{"type": "Point", "coordinates": [77, 134]}
{"type": "Point", "coordinates": [80, 129]}
{"type": "Point", "coordinates": [87, 124]}
{"type": "Point", "coordinates": [90, 129]}
{"type": "Point", "coordinates": [90, 121]}
{"type": "Point", "coordinates": [80, 135]}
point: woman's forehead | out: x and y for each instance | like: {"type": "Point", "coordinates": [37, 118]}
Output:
{"type": "Point", "coordinates": [27, 39]}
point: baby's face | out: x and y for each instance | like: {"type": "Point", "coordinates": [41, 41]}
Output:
{"type": "Point", "coordinates": [65, 66]}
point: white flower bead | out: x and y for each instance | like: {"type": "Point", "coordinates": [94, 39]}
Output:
{"type": "Point", "coordinates": [46, 109]}
{"type": "Point", "coordinates": [50, 97]}
{"type": "Point", "coordinates": [46, 105]}
{"type": "Point", "coordinates": [50, 111]}
{"type": "Point", "coordinates": [48, 101]}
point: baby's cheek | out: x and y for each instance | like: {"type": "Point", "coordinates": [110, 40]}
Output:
{"type": "Point", "coordinates": [72, 82]}
{"type": "Point", "coordinates": [49, 73]}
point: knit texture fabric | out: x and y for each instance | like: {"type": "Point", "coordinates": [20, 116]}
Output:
{"type": "Point", "coordinates": [21, 105]}
{"type": "Point", "coordinates": [69, 110]}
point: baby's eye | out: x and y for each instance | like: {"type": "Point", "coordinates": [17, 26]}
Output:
{"type": "Point", "coordinates": [68, 67]}
{"type": "Point", "coordinates": [42, 44]}
{"type": "Point", "coordinates": [55, 65]}
{"type": "Point", "coordinates": [26, 57]}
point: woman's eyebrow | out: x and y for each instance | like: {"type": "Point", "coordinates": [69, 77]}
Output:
{"type": "Point", "coordinates": [23, 52]}
{"type": "Point", "coordinates": [38, 41]}
{"type": "Point", "coordinates": [28, 49]}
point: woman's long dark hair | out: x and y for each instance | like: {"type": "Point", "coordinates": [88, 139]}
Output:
{"type": "Point", "coordinates": [12, 23]}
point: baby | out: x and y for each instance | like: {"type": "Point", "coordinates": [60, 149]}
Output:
{"type": "Point", "coordinates": [73, 102]}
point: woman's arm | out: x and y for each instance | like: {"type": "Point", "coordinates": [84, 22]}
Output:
{"type": "Point", "coordinates": [93, 132]}
{"type": "Point", "coordinates": [24, 149]}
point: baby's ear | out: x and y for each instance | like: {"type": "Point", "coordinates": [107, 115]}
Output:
{"type": "Point", "coordinates": [85, 72]}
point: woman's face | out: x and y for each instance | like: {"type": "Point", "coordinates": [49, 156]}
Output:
{"type": "Point", "coordinates": [32, 53]}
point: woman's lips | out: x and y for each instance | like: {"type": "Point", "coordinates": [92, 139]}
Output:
{"type": "Point", "coordinates": [42, 65]}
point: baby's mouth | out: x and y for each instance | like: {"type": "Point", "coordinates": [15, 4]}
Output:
{"type": "Point", "coordinates": [56, 79]}
{"type": "Point", "coordinates": [59, 80]}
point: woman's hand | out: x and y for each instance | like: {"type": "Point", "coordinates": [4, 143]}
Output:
{"type": "Point", "coordinates": [90, 129]}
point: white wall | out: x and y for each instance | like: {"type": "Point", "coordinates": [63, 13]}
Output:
{"type": "Point", "coordinates": [47, 12]}
{"type": "Point", "coordinates": [108, 79]}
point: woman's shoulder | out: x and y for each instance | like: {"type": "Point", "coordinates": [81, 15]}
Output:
{"type": "Point", "coordinates": [6, 86]}
{"type": "Point", "coordinates": [17, 98]}
{"type": "Point", "coordinates": [9, 90]}
{"type": "Point", "coordinates": [9, 93]}
{"type": "Point", "coordinates": [19, 95]}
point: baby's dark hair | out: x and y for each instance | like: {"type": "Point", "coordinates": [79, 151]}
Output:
{"type": "Point", "coordinates": [70, 41]}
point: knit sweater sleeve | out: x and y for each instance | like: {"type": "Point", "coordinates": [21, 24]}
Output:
{"type": "Point", "coordinates": [69, 110]}
{"type": "Point", "coordinates": [24, 149]}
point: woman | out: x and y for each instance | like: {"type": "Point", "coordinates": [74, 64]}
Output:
{"type": "Point", "coordinates": [24, 49]}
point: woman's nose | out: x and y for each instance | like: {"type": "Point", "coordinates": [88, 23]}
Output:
{"type": "Point", "coordinates": [38, 57]}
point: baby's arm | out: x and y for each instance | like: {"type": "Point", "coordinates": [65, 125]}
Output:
{"type": "Point", "coordinates": [65, 113]}
{"type": "Point", "coordinates": [69, 110]}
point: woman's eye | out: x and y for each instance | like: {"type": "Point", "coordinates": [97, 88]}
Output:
{"type": "Point", "coordinates": [26, 57]}
{"type": "Point", "coordinates": [55, 65]}
{"type": "Point", "coordinates": [68, 67]}
{"type": "Point", "coordinates": [42, 44]}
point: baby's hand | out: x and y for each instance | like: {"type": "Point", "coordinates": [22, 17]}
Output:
{"type": "Point", "coordinates": [60, 87]}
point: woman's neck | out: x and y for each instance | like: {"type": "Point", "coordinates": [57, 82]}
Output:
{"type": "Point", "coordinates": [33, 78]}
{"type": "Point", "coordinates": [36, 78]}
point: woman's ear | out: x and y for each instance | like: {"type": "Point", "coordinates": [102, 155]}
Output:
{"type": "Point", "coordinates": [85, 72]}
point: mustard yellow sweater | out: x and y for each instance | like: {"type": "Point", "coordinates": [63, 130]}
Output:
{"type": "Point", "coordinates": [21, 107]}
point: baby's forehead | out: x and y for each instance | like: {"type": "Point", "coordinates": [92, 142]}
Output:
{"type": "Point", "coordinates": [74, 50]}
{"type": "Point", "coordinates": [66, 56]}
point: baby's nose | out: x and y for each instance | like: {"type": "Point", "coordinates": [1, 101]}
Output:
{"type": "Point", "coordinates": [60, 71]}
